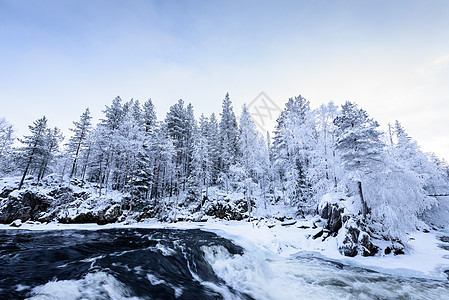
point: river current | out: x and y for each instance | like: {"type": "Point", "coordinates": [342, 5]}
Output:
{"type": "Point", "coordinates": [180, 264]}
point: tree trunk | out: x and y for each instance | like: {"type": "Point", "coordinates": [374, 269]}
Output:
{"type": "Point", "coordinates": [27, 167]}
{"type": "Point", "coordinates": [85, 164]}
{"type": "Point", "coordinates": [364, 206]}
{"type": "Point", "coordinates": [74, 160]}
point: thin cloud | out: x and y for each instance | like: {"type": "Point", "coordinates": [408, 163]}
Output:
{"type": "Point", "coordinates": [441, 61]}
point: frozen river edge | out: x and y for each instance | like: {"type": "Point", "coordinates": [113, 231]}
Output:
{"type": "Point", "coordinates": [424, 258]}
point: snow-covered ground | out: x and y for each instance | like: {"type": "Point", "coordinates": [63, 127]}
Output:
{"type": "Point", "coordinates": [424, 258]}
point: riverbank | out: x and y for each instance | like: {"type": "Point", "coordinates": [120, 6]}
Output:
{"type": "Point", "coordinates": [425, 256]}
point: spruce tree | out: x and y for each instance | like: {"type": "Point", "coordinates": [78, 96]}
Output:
{"type": "Point", "coordinates": [228, 135]}
{"type": "Point", "coordinates": [79, 138]}
{"type": "Point", "coordinates": [6, 141]}
{"type": "Point", "coordinates": [214, 147]}
{"type": "Point", "coordinates": [359, 144]}
{"type": "Point", "coordinates": [149, 115]}
{"type": "Point", "coordinates": [248, 148]}
{"type": "Point", "coordinates": [52, 138]}
{"type": "Point", "coordinates": [34, 145]}
{"type": "Point", "coordinates": [292, 143]}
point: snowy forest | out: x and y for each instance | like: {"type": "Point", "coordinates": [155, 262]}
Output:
{"type": "Point", "coordinates": [333, 163]}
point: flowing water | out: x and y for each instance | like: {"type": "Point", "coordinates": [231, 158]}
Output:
{"type": "Point", "coordinates": [180, 264]}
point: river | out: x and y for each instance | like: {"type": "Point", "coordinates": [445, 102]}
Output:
{"type": "Point", "coordinates": [132, 263]}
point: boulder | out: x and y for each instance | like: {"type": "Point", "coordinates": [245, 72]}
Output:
{"type": "Point", "coordinates": [367, 247]}
{"type": "Point", "coordinates": [223, 210]}
{"type": "Point", "coordinates": [354, 240]}
{"type": "Point", "coordinates": [16, 223]}
{"type": "Point", "coordinates": [332, 212]}
{"type": "Point", "coordinates": [349, 243]}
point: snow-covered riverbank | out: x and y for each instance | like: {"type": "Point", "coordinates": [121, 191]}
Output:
{"type": "Point", "coordinates": [423, 258]}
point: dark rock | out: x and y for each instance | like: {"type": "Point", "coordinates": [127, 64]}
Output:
{"type": "Point", "coordinates": [27, 207]}
{"type": "Point", "coordinates": [445, 247]}
{"type": "Point", "coordinates": [333, 214]}
{"type": "Point", "coordinates": [102, 217]}
{"type": "Point", "coordinates": [368, 249]}
{"type": "Point", "coordinates": [444, 239]}
{"type": "Point", "coordinates": [51, 203]}
{"type": "Point", "coordinates": [112, 214]}
{"type": "Point", "coordinates": [398, 251]}
{"type": "Point", "coordinates": [77, 182]}
{"type": "Point", "coordinates": [288, 223]}
{"type": "Point", "coordinates": [16, 223]}
{"type": "Point", "coordinates": [396, 248]}
{"type": "Point", "coordinates": [224, 211]}
{"type": "Point", "coordinates": [350, 242]}
{"type": "Point", "coordinates": [317, 235]}
{"type": "Point", "coordinates": [325, 212]}
{"type": "Point", "coordinates": [59, 192]}
{"type": "Point", "coordinates": [5, 192]}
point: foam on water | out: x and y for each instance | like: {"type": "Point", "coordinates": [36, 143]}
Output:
{"type": "Point", "coordinates": [99, 285]}
{"type": "Point", "coordinates": [264, 277]}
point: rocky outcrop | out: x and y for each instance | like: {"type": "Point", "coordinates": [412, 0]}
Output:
{"type": "Point", "coordinates": [23, 206]}
{"type": "Point", "coordinates": [101, 217]}
{"type": "Point", "coordinates": [223, 211]}
{"type": "Point", "coordinates": [53, 202]}
{"type": "Point", "coordinates": [352, 235]}
{"type": "Point", "coordinates": [228, 210]}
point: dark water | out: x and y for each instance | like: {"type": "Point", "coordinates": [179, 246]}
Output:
{"type": "Point", "coordinates": [146, 263]}
{"type": "Point", "coordinates": [181, 264]}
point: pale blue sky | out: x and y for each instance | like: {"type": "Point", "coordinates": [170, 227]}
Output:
{"type": "Point", "coordinates": [391, 57]}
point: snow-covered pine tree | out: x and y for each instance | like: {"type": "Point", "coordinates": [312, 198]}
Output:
{"type": "Point", "coordinates": [106, 148]}
{"type": "Point", "coordinates": [164, 164]}
{"type": "Point", "coordinates": [293, 139]}
{"type": "Point", "coordinates": [149, 115]}
{"type": "Point", "coordinates": [178, 129]}
{"type": "Point", "coordinates": [113, 115]}
{"type": "Point", "coordinates": [201, 175]}
{"type": "Point", "coordinates": [131, 136]}
{"type": "Point", "coordinates": [407, 152]}
{"type": "Point", "coordinates": [52, 138]}
{"type": "Point", "coordinates": [137, 113]}
{"type": "Point", "coordinates": [191, 127]}
{"type": "Point", "coordinates": [78, 140]}
{"type": "Point", "coordinates": [6, 141]}
{"type": "Point", "coordinates": [278, 150]}
{"type": "Point", "coordinates": [34, 147]}
{"type": "Point", "coordinates": [228, 135]}
{"type": "Point", "coordinates": [213, 141]}
{"type": "Point", "coordinates": [151, 162]}
{"type": "Point", "coordinates": [359, 144]}
{"type": "Point", "coordinates": [323, 161]}
{"type": "Point", "coordinates": [167, 178]}
{"type": "Point", "coordinates": [147, 164]}
{"type": "Point", "coordinates": [248, 150]}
